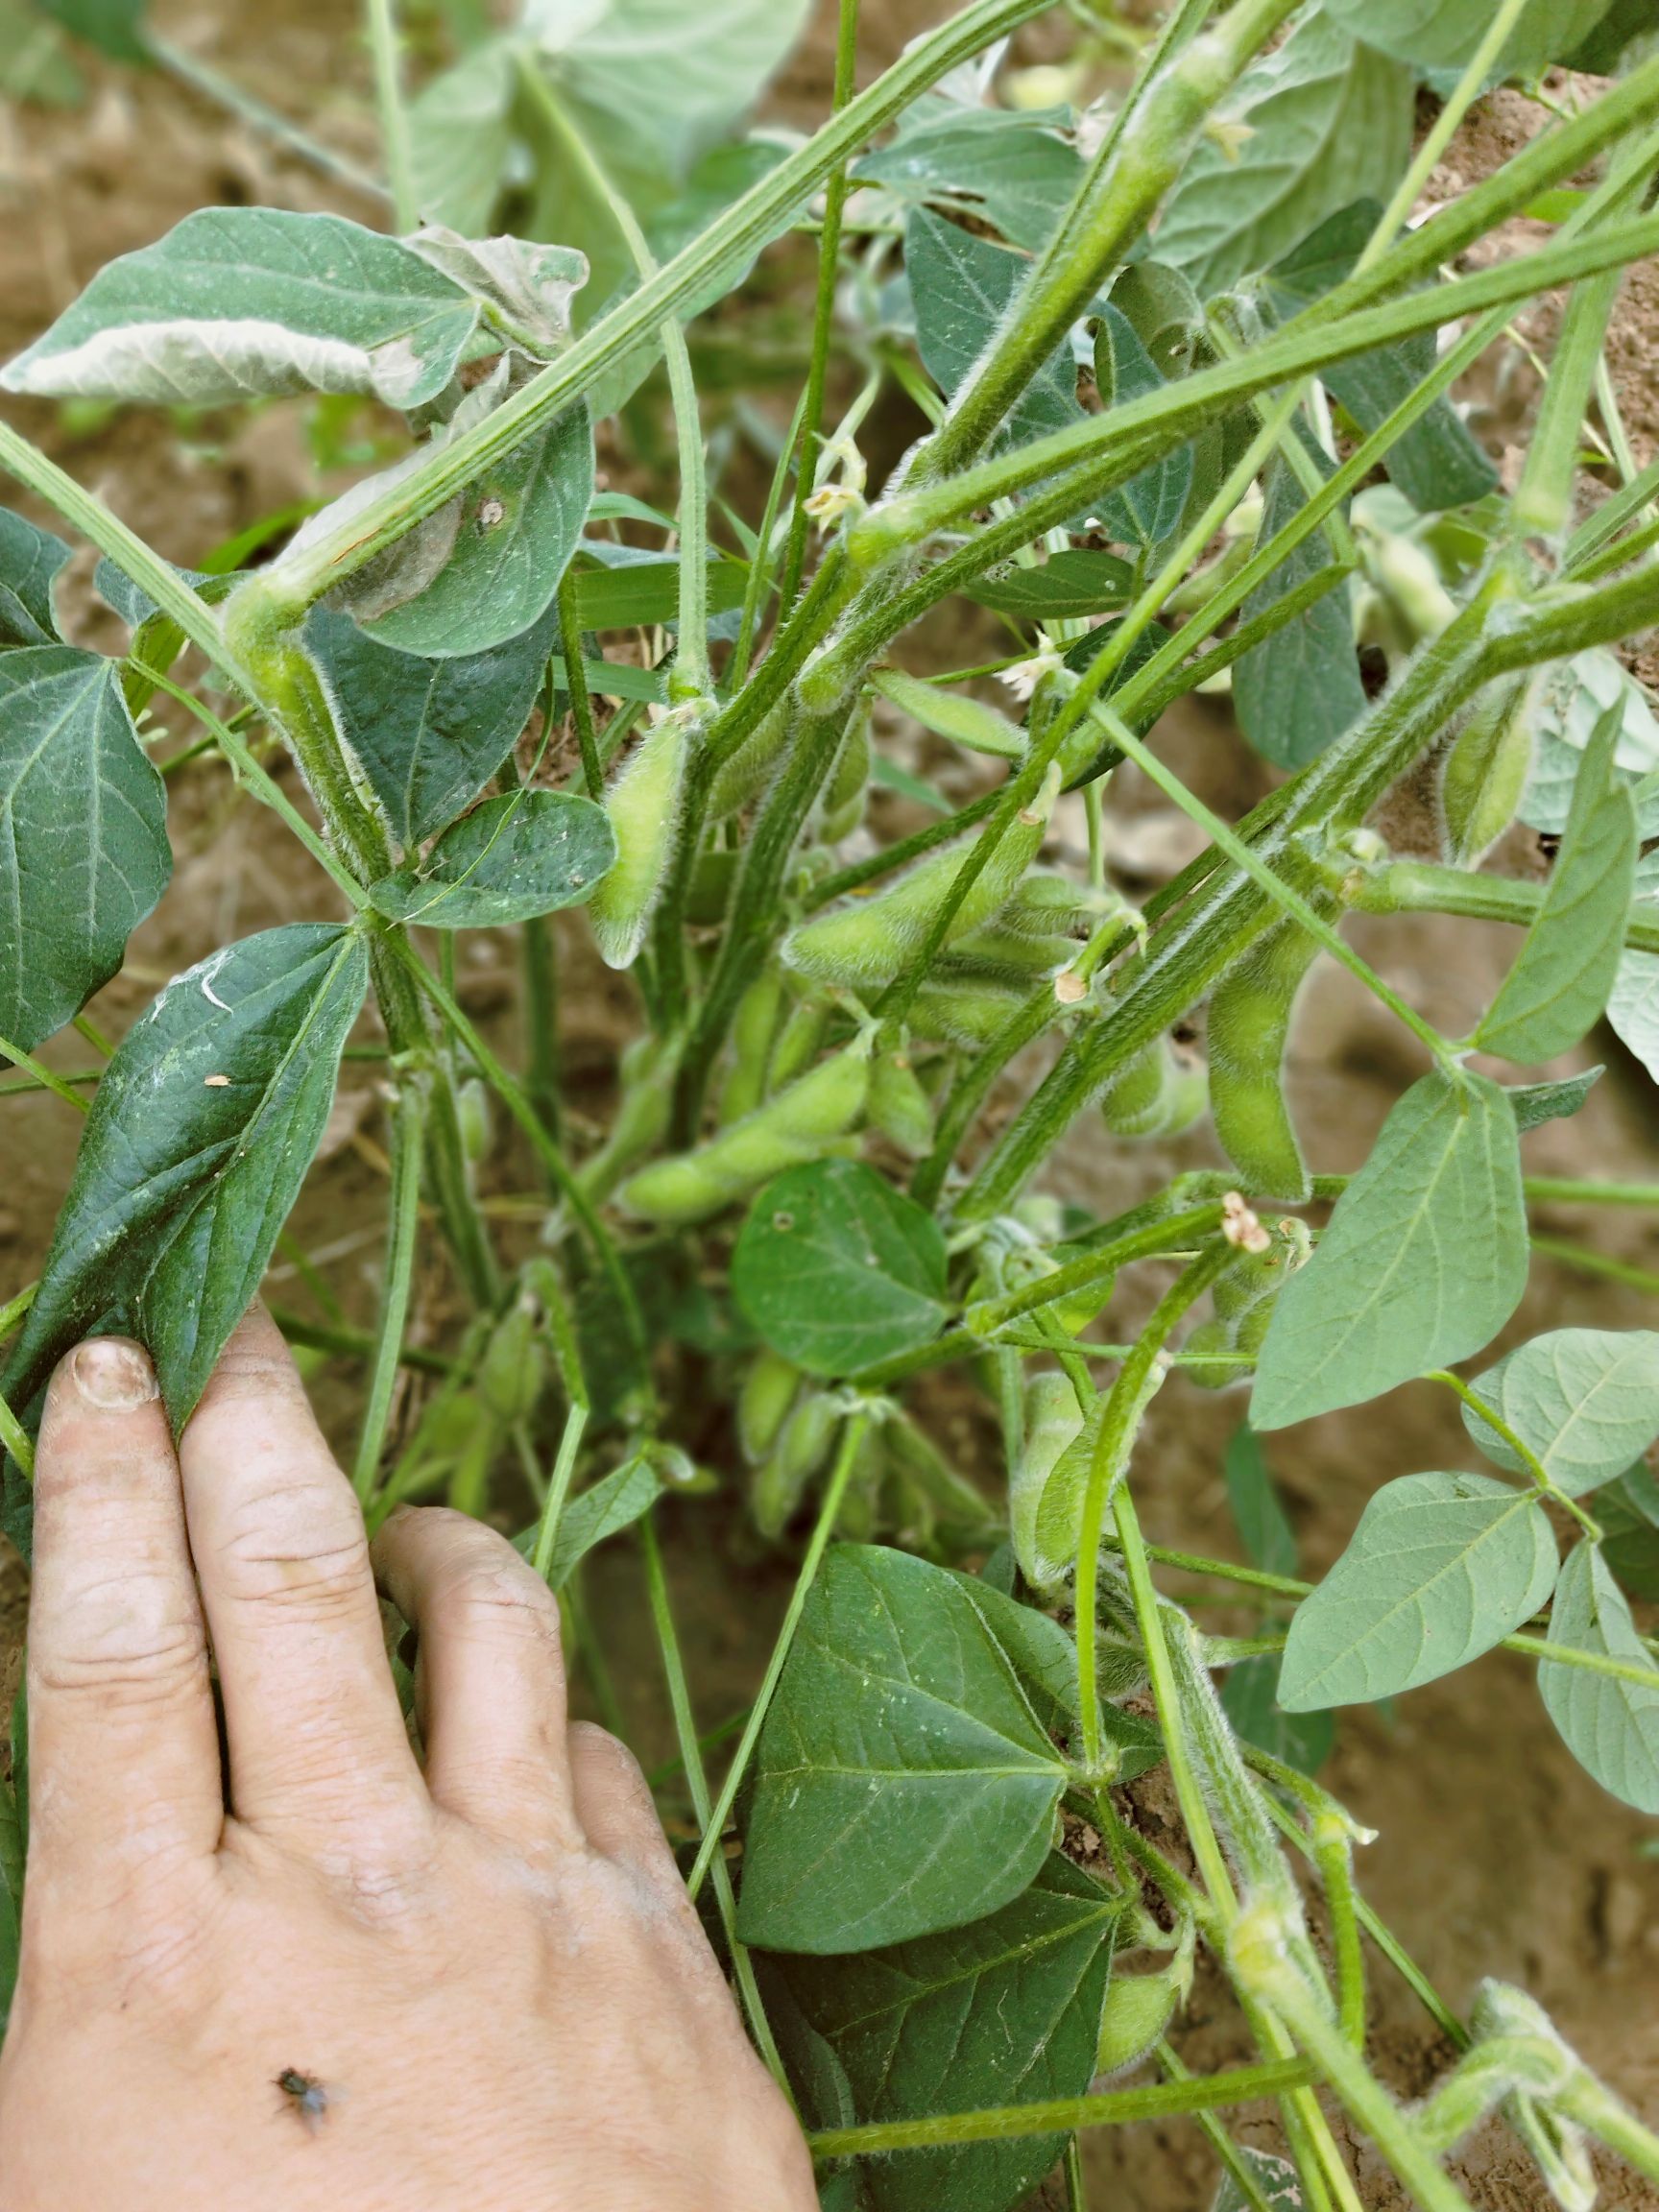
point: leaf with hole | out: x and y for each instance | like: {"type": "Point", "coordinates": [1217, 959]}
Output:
{"type": "Point", "coordinates": [247, 303]}
{"type": "Point", "coordinates": [1006, 2011]}
{"type": "Point", "coordinates": [1423, 1262]}
{"type": "Point", "coordinates": [1585, 1401]}
{"type": "Point", "coordinates": [1440, 1569]}
{"type": "Point", "coordinates": [29, 562]}
{"type": "Point", "coordinates": [1610, 1726]}
{"type": "Point", "coordinates": [902, 1783]}
{"type": "Point", "coordinates": [516, 855]}
{"type": "Point", "coordinates": [961, 287]}
{"type": "Point", "coordinates": [84, 851]}
{"type": "Point", "coordinates": [428, 734]}
{"type": "Point", "coordinates": [1328, 122]}
{"type": "Point", "coordinates": [1569, 959]}
{"type": "Point", "coordinates": [837, 1271]}
{"type": "Point", "coordinates": [199, 1138]}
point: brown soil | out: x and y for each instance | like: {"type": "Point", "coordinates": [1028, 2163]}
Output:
{"type": "Point", "coordinates": [1495, 1854]}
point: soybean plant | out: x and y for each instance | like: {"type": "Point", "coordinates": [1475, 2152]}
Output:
{"type": "Point", "coordinates": [1180, 353]}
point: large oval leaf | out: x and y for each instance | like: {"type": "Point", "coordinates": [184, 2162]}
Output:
{"type": "Point", "coordinates": [83, 851]}
{"type": "Point", "coordinates": [199, 1138]}
{"type": "Point", "coordinates": [902, 1783]}
{"type": "Point", "coordinates": [1444, 34]}
{"type": "Point", "coordinates": [1441, 1567]}
{"type": "Point", "coordinates": [236, 302]}
{"type": "Point", "coordinates": [1611, 1727]}
{"type": "Point", "coordinates": [1004, 2012]}
{"type": "Point", "coordinates": [1424, 1261]}
{"type": "Point", "coordinates": [1586, 1401]}
{"type": "Point", "coordinates": [837, 1270]}
{"type": "Point", "coordinates": [522, 854]}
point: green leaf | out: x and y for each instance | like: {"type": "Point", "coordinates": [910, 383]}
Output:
{"type": "Point", "coordinates": [1629, 1511]}
{"type": "Point", "coordinates": [1441, 1567]}
{"type": "Point", "coordinates": [1269, 1540]}
{"type": "Point", "coordinates": [1536, 1103]}
{"type": "Point", "coordinates": [198, 1140]}
{"type": "Point", "coordinates": [613, 1503]}
{"type": "Point", "coordinates": [1432, 35]}
{"type": "Point", "coordinates": [487, 566]}
{"type": "Point", "coordinates": [83, 851]}
{"type": "Point", "coordinates": [429, 733]}
{"type": "Point", "coordinates": [1586, 1401]}
{"type": "Point", "coordinates": [1145, 511]}
{"type": "Point", "coordinates": [1603, 50]}
{"type": "Point", "coordinates": [1079, 657]}
{"type": "Point", "coordinates": [1277, 2179]}
{"type": "Point", "coordinates": [836, 1271]}
{"type": "Point", "coordinates": [1570, 958]}
{"type": "Point", "coordinates": [629, 587]}
{"type": "Point", "coordinates": [902, 1783]}
{"type": "Point", "coordinates": [1004, 2012]}
{"type": "Point", "coordinates": [1299, 690]}
{"type": "Point", "coordinates": [1329, 122]}
{"type": "Point", "coordinates": [461, 134]}
{"type": "Point", "coordinates": [1013, 170]}
{"type": "Point", "coordinates": [236, 302]}
{"type": "Point", "coordinates": [1633, 1004]}
{"type": "Point", "coordinates": [30, 560]}
{"type": "Point", "coordinates": [1437, 464]}
{"type": "Point", "coordinates": [116, 26]}
{"type": "Point", "coordinates": [961, 287]}
{"type": "Point", "coordinates": [1570, 702]}
{"type": "Point", "coordinates": [1044, 1657]}
{"type": "Point", "coordinates": [1610, 1727]}
{"type": "Point", "coordinates": [516, 855]}
{"type": "Point", "coordinates": [1424, 1261]}
{"type": "Point", "coordinates": [1068, 585]}
{"type": "Point", "coordinates": [1250, 1700]}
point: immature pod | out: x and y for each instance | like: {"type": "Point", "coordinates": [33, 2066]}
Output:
{"type": "Point", "coordinates": [1044, 905]}
{"type": "Point", "coordinates": [753, 1027]}
{"type": "Point", "coordinates": [641, 1117]}
{"type": "Point", "coordinates": [799, 1125]}
{"type": "Point", "coordinates": [643, 806]}
{"type": "Point", "coordinates": [1244, 1300]}
{"type": "Point", "coordinates": [802, 1447]}
{"type": "Point", "coordinates": [950, 1500]}
{"type": "Point", "coordinates": [1486, 770]}
{"type": "Point", "coordinates": [748, 771]}
{"type": "Point", "coordinates": [1249, 1029]}
{"type": "Point", "coordinates": [1002, 954]}
{"type": "Point", "coordinates": [764, 1401]}
{"type": "Point", "coordinates": [899, 1106]}
{"type": "Point", "coordinates": [1407, 574]}
{"type": "Point", "coordinates": [801, 1040]}
{"type": "Point", "coordinates": [709, 891]}
{"type": "Point", "coordinates": [1139, 2008]}
{"type": "Point", "coordinates": [953, 1011]}
{"type": "Point", "coordinates": [860, 1518]}
{"type": "Point", "coordinates": [1158, 1093]}
{"type": "Point", "coordinates": [868, 941]}
{"type": "Point", "coordinates": [849, 789]}
{"type": "Point", "coordinates": [1054, 1420]}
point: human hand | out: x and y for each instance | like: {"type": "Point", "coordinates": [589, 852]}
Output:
{"type": "Point", "coordinates": [491, 1972]}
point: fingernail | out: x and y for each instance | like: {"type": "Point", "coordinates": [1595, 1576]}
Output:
{"type": "Point", "coordinates": [112, 1374]}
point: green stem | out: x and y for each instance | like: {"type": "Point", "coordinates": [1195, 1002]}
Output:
{"type": "Point", "coordinates": [1175, 1232]}
{"type": "Point", "coordinates": [12, 1314]}
{"type": "Point", "coordinates": [353, 1343]}
{"type": "Point", "coordinates": [559, 1488]}
{"type": "Point", "coordinates": [1602, 1263]}
{"type": "Point", "coordinates": [1596, 2107]}
{"type": "Point", "coordinates": [1542, 1480]}
{"type": "Point", "coordinates": [1111, 2108]}
{"type": "Point", "coordinates": [42, 1077]}
{"type": "Point", "coordinates": [1424, 887]}
{"type": "Point", "coordinates": [386, 45]}
{"type": "Point", "coordinates": [834, 1490]}
{"type": "Point", "coordinates": [576, 680]}
{"type": "Point", "coordinates": [15, 1439]}
{"type": "Point", "coordinates": [408, 1145]}
{"type": "Point", "coordinates": [697, 1781]}
{"type": "Point", "coordinates": [823, 313]}
{"type": "Point", "coordinates": [31, 1086]}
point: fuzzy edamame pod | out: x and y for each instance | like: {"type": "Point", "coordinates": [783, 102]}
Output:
{"type": "Point", "coordinates": [1139, 2008]}
{"type": "Point", "coordinates": [1249, 1030]}
{"type": "Point", "coordinates": [947, 1010]}
{"type": "Point", "coordinates": [899, 1106]}
{"type": "Point", "coordinates": [764, 1401]}
{"type": "Point", "coordinates": [643, 806]}
{"type": "Point", "coordinates": [849, 786]}
{"type": "Point", "coordinates": [1243, 1299]}
{"type": "Point", "coordinates": [753, 1027]}
{"type": "Point", "coordinates": [868, 941]}
{"type": "Point", "coordinates": [999, 954]}
{"type": "Point", "coordinates": [1486, 770]}
{"type": "Point", "coordinates": [747, 773]}
{"type": "Point", "coordinates": [1053, 1421]}
{"type": "Point", "coordinates": [803, 1445]}
{"type": "Point", "coordinates": [800, 1123]}
{"type": "Point", "coordinates": [1158, 1093]}
{"type": "Point", "coordinates": [801, 1040]}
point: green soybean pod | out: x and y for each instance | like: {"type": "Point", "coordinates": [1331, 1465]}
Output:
{"type": "Point", "coordinates": [848, 787]}
{"type": "Point", "coordinates": [802, 1039]}
{"type": "Point", "coordinates": [643, 806]}
{"type": "Point", "coordinates": [749, 770]}
{"type": "Point", "coordinates": [802, 1447]}
{"type": "Point", "coordinates": [641, 1117]}
{"type": "Point", "coordinates": [868, 941]}
{"type": "Point", "coordinates": [1044, 905]}
{"type": "Point", "coordinates": [950, 1011]}
{"type": "Point", "coordinates": [1486, 770]}
{"type": "Point", "coordinates": [1155, 1095]}
{"type": "Point", "coordinates": [1054, 1420]}
{"type": "Point", "coordinates": [1249, 1030]}
{"type": "Point", "coordinates": [1139, 2008]}
{"type": "Point", "coordinates": [899, 1106]}
{"type": "Point", "coordinates": [753, 1027]}
{"type": "Point", "coordinates": [862, 1504]}
{"type": "Point", "coordinates": [1004, 954]}
{"type": "Point", "coordinates": [799, 1125]}
{"type": "Point", "coordinates": [763, 1403]}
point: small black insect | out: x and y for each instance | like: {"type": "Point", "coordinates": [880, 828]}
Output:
{"type": "Point", "coordinates": [306, 2095]}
